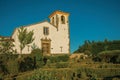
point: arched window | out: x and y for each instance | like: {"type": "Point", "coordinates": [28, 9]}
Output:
{"type": "Point", "coordinates": [63, 19]}
{"type": "Point", "coordinates": [53, 20]}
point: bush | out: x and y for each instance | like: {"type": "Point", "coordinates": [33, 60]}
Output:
{"type": "Point", "coordinates": [59, 58]}
{"type": "Point", "coordinates": [7, 57]}
{"type": "Point", "coordinates": [110, 56]}
{"type": "Point", "coordinates": [12, 66]}
{"type": "Point", "coordinates": [61, 65]}
{"type": "Point", "coordinates": [3, 68]}
{"type": "Point", "coordinates": [87, 52]}
{"type": "Point", "coordinates": [7, 61]}
{"type": "Point", "coordinates": [36, 52]}
{"type": "Point", "coordinates": [118, 59]}
{"type": "Point", "coordinates": [63, 58]}
{"type": "Point", "coordinates": [26, 64]}
{"type": "Point", "coordinates": [53, 59]}
{"type": "Point", "coordinates": [83, 75]}
{"type": "Point", "coordinates": [96, 59]}
{"type": "Point", "coordinates": [69, 74]}
{"type": "Point", "coordinates": [38, 58]}
{"type": "Point", "coordinates": [1, 78]}
{"type": "Point", "coordinates": [43, 75]}
{"type": "Point", "coordinates": [93, 77]}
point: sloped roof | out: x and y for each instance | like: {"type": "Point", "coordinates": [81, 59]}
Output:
{"type": "Point", "coordinates": [31, 25]}
{"type": "Point", "coordinates": [58, 12]}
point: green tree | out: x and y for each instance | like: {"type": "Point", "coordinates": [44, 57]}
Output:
{"type": "Point", "coordinates": [24, 37]}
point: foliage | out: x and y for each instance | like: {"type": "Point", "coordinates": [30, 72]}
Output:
{"type": "Point", "coordinates": [81, 73]}
{"type": "Point", "coordinates": [97, 59]}
{"type": "Point", "coordinates": [38, 57]}
{"type": "Point", "coordinates": [37, 52]}
{"type": "Point", "coordinates": [43, 75]}
{"type": "Point", "coordinates": [3, 68]}
{"type": "Point", "coordinates": [26, 64]}
{"type": "Point", "coordinates": [8, 63]}
{"type": "Point", "coordinates": [12, 66]}
{"type": "Point", "coordinates": [52, 74]}
{"type": "Point", "coordinates": [6, 46]}
{"type": "Point", "coordinates": [61, 65]}
{"type": "Point", "coordinates": [59, 58]}
{"type": "Point", "coordinates": [93, 77]}
{"type": "Point", "coordinates": [53, 59]}
{"type": "Point", "coordinates": [24, 37]}
{"type": "Point", "coordinates": [34, 46]}
{"type": "Point", "coordinates": [95, 47]}
{"type": "Point", "coordinates": [110, 56]}
{"type": "Point", "coordinates": [118, 59]}
{"type": "Point", "coordinates": [63, 58]}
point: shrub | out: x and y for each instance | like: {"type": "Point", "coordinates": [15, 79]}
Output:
{"type": "Point", "coordinates": [59, 58]}
{"type": "Point", "coordinates": [7, 57]}
{"type": "Point", "coordinates": [1, 77]}
{"type": "Point", "coordinates": [53, 59]}
{"type": "Point", "coordinates": [96, 59]}
{"type": "Point", "coordinates": [69, 74]}
{"type": "Point", "coordinates": [12, 66]}
{"type": "Point", "coordinates": [87, 52]}
{"type": "Point", "coordinates": [3, 68]}
{"type": "Point", "coordinates": [110, 56]}
{"type": "Point", "coordinates": [61, 65]}
{"type": "Point", "coordinates": [93, 77]}
{"type": "Point", "coordinates": [43, 75]}
{"type": "Point", "coordinates": [36, 52]}
{"type": "Point", "coordinates": [8, 63]}
{"type": "Point", "coordinates": [38, 58]}
{"type": "Point", "coordinates": [83, 75]}
{"type": "Point", "coordinates": [118, 59]}
{"type": "Point", "coordinates": [26, 64]}
{"type": "Point", "coordinates": [63, 58]}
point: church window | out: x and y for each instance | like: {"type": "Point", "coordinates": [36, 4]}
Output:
{"type": "Point", "coordinates": [63, 19]}
{"type": "Point", "coordinates": [45, 30]}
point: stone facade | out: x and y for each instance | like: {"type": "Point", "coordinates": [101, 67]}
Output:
{"type": "Point", "coordinates": [52, 37]}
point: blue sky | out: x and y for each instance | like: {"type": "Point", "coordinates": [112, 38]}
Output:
{"type": "Point", "coordinates": [89, 19]}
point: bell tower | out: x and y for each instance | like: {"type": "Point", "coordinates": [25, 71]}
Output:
{"type": "Point", "coordinates": [59, 18]}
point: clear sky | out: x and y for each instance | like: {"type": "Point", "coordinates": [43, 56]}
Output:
{"type": "Point", "coordinates": [89, 19]}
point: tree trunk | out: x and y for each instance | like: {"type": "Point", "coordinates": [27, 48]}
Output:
{"type": "Point", "coordinates": [20, 53]}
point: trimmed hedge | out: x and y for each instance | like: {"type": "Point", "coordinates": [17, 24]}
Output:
{"type": "Point", "coordinates": [58, 58]}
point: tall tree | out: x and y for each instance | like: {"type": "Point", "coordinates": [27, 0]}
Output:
{"type": "Point", "coordinates": [24, 37]}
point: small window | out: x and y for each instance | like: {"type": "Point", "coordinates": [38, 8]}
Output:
{"type": "Point", "coordinates": [46, 31]}
{"type": "Point", "coordinates": [53, 20]}
{"type": "Point", "coordinates": [63, 19]}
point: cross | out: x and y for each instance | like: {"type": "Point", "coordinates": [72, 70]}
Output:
{"type": "Point", "coordinates": [61, 48]}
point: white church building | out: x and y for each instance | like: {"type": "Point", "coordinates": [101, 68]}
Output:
{"type": "Point", "coordinates": [51, 37]}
